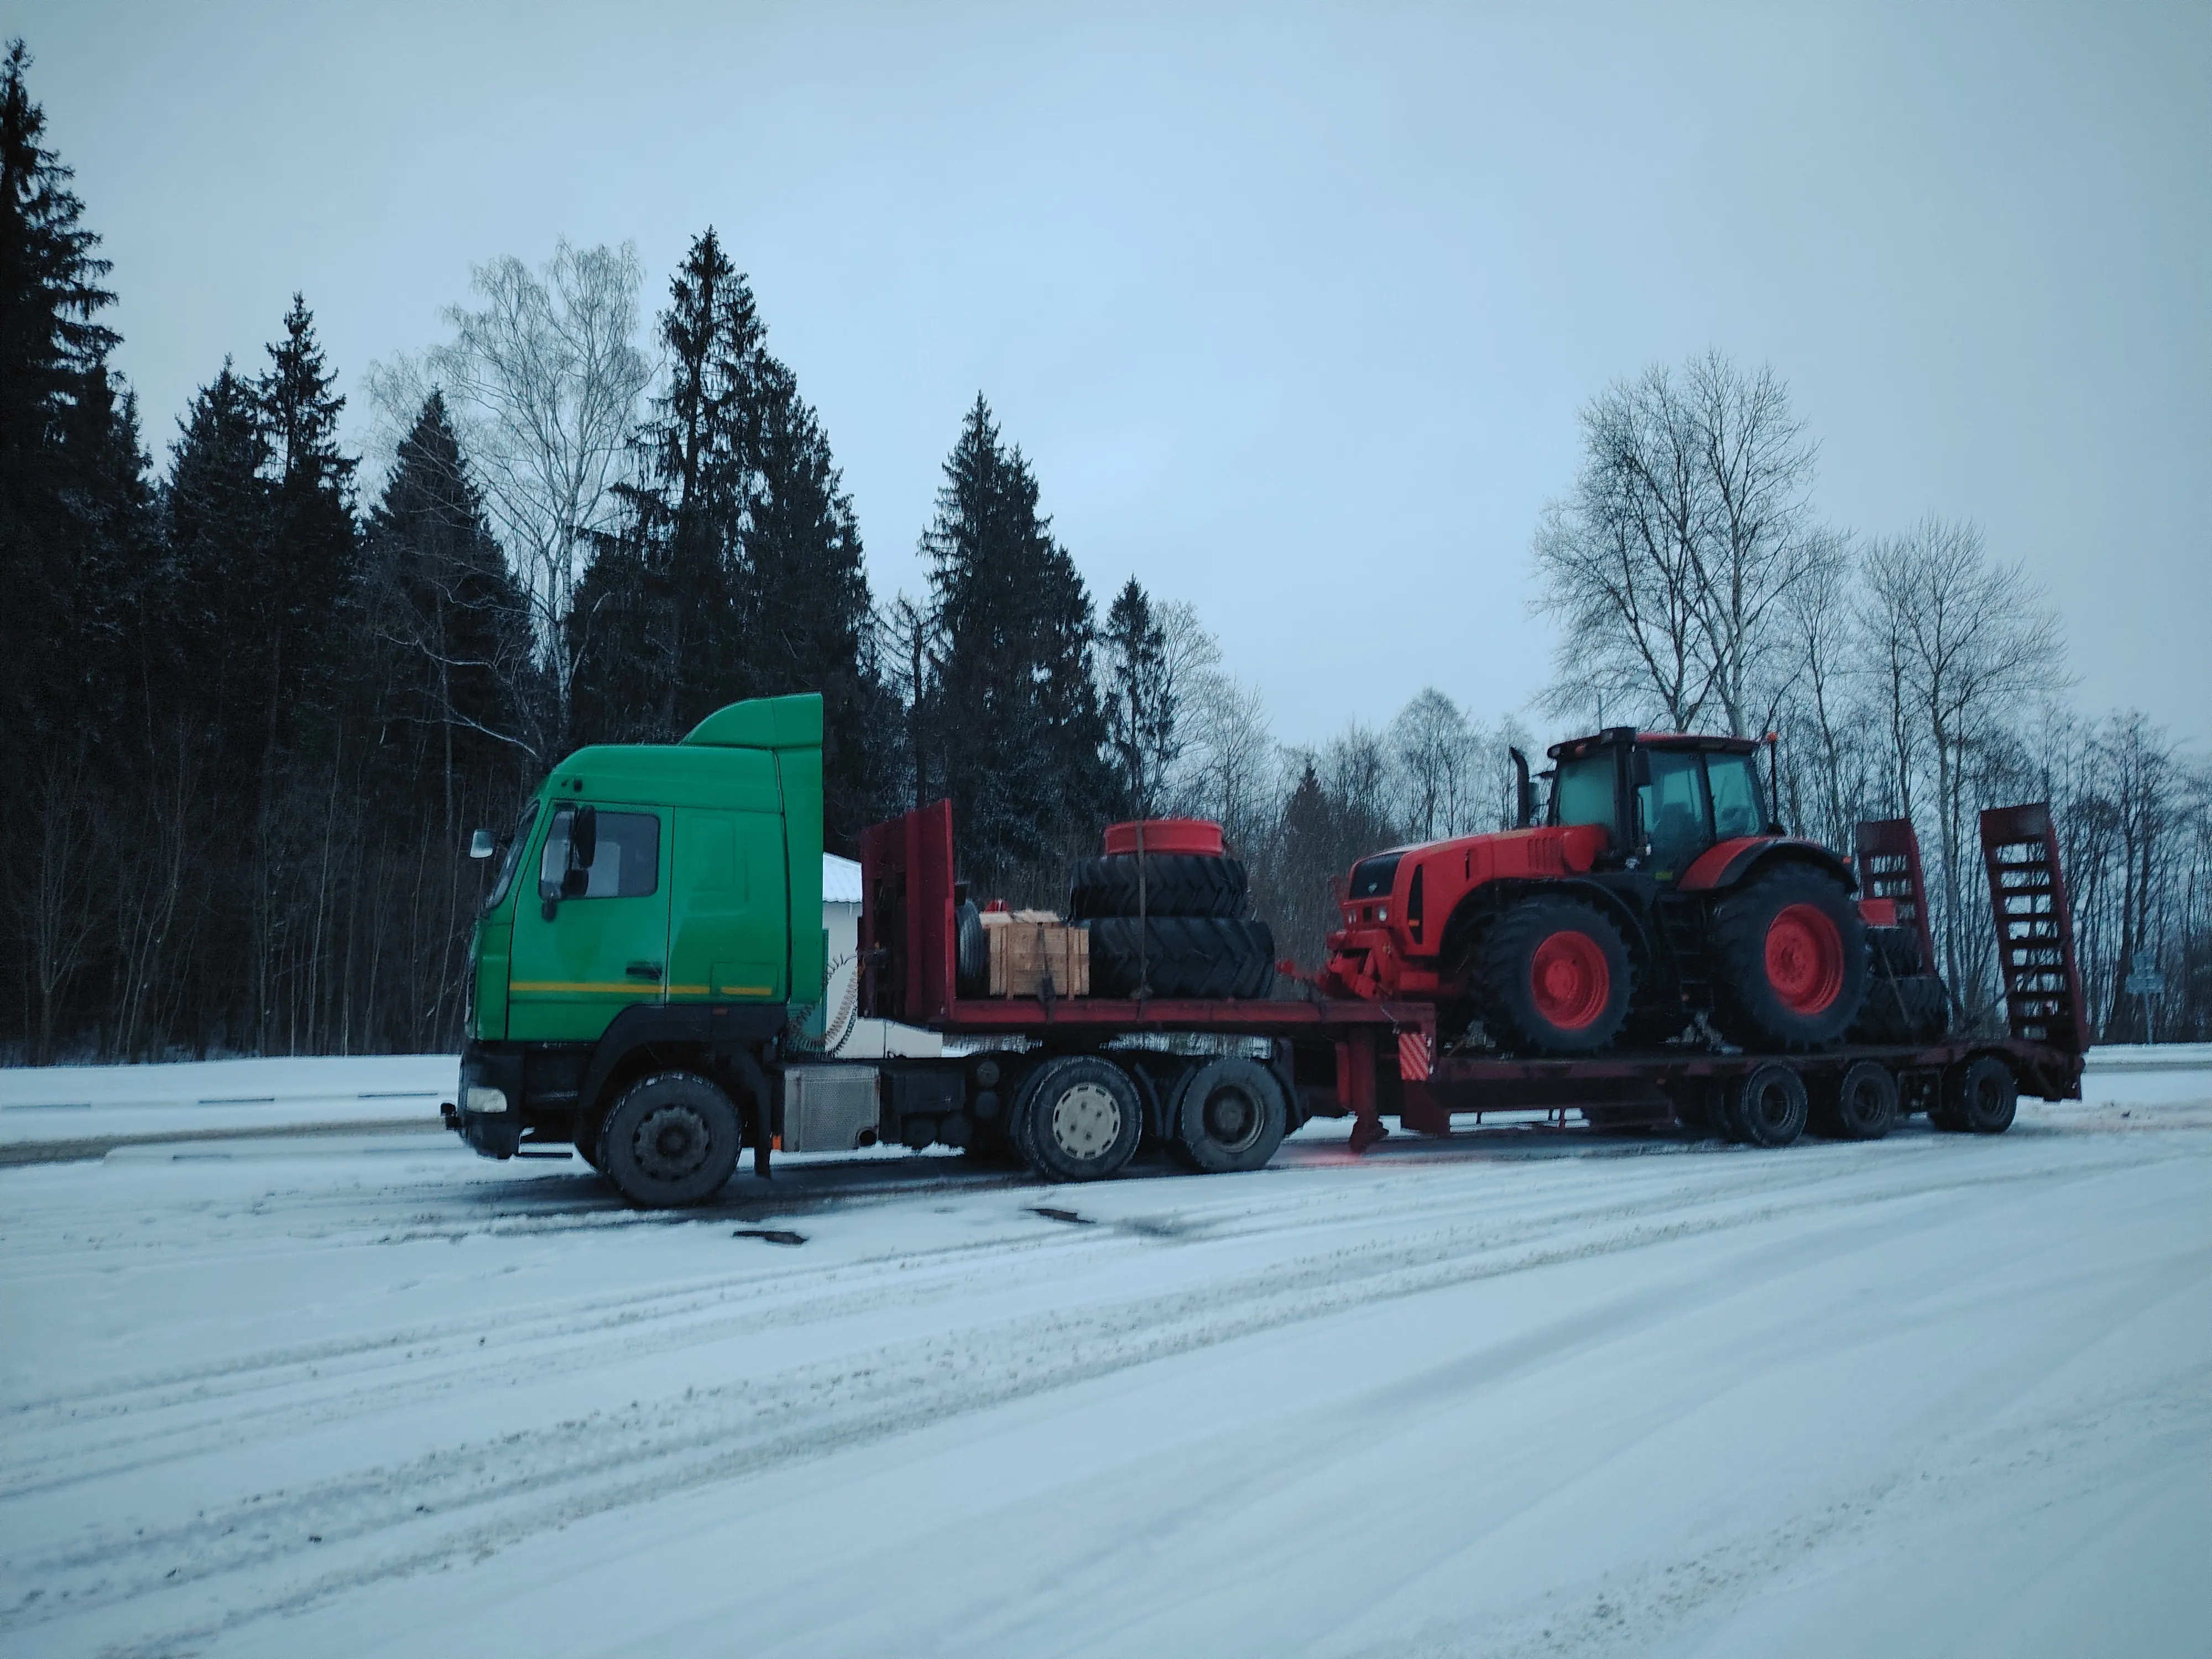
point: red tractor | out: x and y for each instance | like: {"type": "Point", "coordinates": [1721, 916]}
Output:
{"type": "Point", "coordinates": [1657, 889]}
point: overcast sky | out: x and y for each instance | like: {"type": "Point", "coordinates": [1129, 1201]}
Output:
{"type": "Point", "coordinates": [1292, 308]}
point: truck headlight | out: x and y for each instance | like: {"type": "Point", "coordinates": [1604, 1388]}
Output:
{"type": "Point", "coordinates": [478, 1098]}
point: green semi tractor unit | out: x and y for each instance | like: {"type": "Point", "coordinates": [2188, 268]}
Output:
{"type": "Point", "coordinates": [637, 947]}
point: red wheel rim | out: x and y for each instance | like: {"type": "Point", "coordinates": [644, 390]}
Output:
{"type": "Point", "coordinates": [1805, 958]}
{"type": "Point", "coordinates": [1570, 979]}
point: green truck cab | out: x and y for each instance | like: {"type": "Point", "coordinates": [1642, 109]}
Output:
{"type": "Point", "coordinates": [641, 931]}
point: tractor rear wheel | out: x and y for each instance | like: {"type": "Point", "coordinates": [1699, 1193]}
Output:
{"type": "Point", "coordinates": [1554, 976]}
{"type": "Point", "coordinates": [1790, 962]}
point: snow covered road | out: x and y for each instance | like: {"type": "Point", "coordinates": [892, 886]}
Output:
{"type": "Point", "coordinates": [1534, 1394]}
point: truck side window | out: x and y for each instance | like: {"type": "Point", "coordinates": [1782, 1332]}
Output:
{"type": "Point", "coordinates": [626, 865]}
{"type": "Point", "coordinates": [513, 862]}
{"type": "Point", "coordinates": [1735, 796]}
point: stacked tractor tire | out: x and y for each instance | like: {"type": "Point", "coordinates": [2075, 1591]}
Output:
{"type": "Point", "coordinates": [1173, 919]}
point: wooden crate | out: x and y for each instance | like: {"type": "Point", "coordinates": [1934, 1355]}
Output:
{"type": "Point", "coordinates": [1026, 945]}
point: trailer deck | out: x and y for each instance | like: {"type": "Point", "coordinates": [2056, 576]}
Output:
{"type": "Point", "coordinates": [1374, 1060]}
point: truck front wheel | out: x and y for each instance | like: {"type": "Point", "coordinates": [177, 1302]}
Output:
{"type": "Point", "coordinates": [672, 1139]}
{"type": "Point", "coordinates": [1079, 1118]}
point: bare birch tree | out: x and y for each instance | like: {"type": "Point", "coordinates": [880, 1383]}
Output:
{"type": "Point", "coordinates": [542, 380]}
{"type": "Point", "coordinates": [1966, 639]}
{"type": "Point", "coordinates": [1669, 565]}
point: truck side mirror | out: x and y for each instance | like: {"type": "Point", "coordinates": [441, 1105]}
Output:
{"type": "Point", "coordinates": [480, 845]}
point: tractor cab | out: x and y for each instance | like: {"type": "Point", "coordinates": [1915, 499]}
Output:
{"type": "Point", "coordinates": [1664, 800]}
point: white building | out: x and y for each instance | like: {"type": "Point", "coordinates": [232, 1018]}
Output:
{"type": "Point", "coordinates": [840, 932]}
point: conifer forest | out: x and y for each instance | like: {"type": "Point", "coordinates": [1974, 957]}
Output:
{"type": "Point", "coordinates": [262, 686]}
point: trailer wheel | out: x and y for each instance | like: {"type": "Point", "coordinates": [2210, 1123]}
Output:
{"type": "Point", "coordinates": [1768, 1108]}
{"type": "Point", "coordinates": [671, 1140]}
{"type": "Point", "coordinates": [1860, 1105]}
{"type": "Point", "coordinates": [1983, 1096]}
{"type": "Point", "coordinates": [1555, 978]}
{"type": "Point", "coordinates": [1079, 1118]}
{"type": "Point", "coordinates": [1228, 1115]}
{"type": "Point", "coordinates": [1790, 962]}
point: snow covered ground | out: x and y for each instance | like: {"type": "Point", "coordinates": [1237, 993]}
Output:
{"type": "Point", "coordinates": [366, 1394]}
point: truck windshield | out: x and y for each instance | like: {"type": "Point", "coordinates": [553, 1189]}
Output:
{"type": "Point", "coordinates": [1582, 793]}
{"type": "Point", "coordinates": [513, 862]}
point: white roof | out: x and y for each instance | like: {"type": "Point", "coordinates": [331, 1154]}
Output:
{"type": "Point", "coordinates": [841, 880]}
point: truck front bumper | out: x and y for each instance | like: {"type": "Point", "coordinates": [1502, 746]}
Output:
{"type": "Point", "coordinates": [488, 1110]}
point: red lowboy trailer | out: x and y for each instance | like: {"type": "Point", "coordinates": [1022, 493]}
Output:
{"type": "Point", "coordinates": [1071, 1085]}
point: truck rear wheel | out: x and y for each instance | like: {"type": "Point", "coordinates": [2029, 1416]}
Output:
{"type": "Point", "coordinates": [1079, 1118]}
{"type": "Point", "coordinates": [1555, 978]}
{"type": "Point", "coordinates": [1768, 1108]}
{"type": "Point", "coordinates": [1860, 1105]}
{"type": "Point", "coordinates": [672, 1139]}
{"type": "Point", "coordinates": [1983, 1097]}
{"type": "Point", "coordinates": [1790, 962]}
{"type": "Point", "coordinates": [1228, 1115]}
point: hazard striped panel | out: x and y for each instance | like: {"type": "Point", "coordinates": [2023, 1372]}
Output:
{"type": "Point", "coordinates": [1413, 1056]}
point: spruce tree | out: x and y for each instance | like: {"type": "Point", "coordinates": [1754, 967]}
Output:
{"type": "Point", "coordinates": [62, 428]}
{"type": "Point", "coordinates": [1018, 726]}
{"type": "Point", "coordinates": [452, 624]}
{"type": "Point", "coordinates": [1141, 704]}
{"type": "Point", "coordinates": [657, 620]}
{"type": "Point", "coordinates": [807, 617]}
{"type": "Point", "coordinates": [312, 531]}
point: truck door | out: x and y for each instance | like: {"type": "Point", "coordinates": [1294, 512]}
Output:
{"type": "Point", "coordinates": [599, 952]}
{"type": "Point", "coordinates": [729, 924]}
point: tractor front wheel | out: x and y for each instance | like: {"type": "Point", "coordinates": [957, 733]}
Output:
{"type": "Point", "coordinates": [1555, 978]}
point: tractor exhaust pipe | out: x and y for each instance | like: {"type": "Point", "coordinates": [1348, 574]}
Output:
{"type": "Point", "coordinates": [1524, 796]}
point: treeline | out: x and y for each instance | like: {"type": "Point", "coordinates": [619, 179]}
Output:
{"type": "Point", "coordinates": [260, 693]}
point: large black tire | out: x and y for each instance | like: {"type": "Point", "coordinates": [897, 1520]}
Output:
{"type": "Point", "coordinates": [1208, 956]}
{"type": "Point", "coordinates": [1077, 1118]}
{"type": "Point", "coordinates": [1915, 1009]}
{"type": "Point", "coordinates": [1789, 969]}
{"type": "Point", "coordinates": [1895, 951]}
{"type": "Point", "coordinates": [671, 1140]}
{"type": "Point", "coordinates": [1982, 1097]}
{"type": "Point", "coordinates": [1228, 1115]}
{"type": "Point", "coordinates": [1859, 1105]}
{"type": "Point", "coordinates": [1769, 1108]}
{"type": "Point", "coordinates": [1175, 885]}
{"type": "Point", "coordinates": [1553, 978]}
{"type": "Point", "coordinates": [971, 962]}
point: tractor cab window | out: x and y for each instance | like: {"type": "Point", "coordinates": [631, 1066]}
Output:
{"type": "Point", "coordinates": [1736, 807]}
{"type": "Point", "coordinates": [626, 865]}
{"type": "Point", "coordinates": [1673, 809]}
{"type": "Point", "coordinates": [1581, 792]}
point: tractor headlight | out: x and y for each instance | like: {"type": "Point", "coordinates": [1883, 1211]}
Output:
{"type": "Point", "coordinates": [478, 1098]}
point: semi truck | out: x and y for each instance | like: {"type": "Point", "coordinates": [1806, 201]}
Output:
{"type": "Point", "coordinates": [648, 988]}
